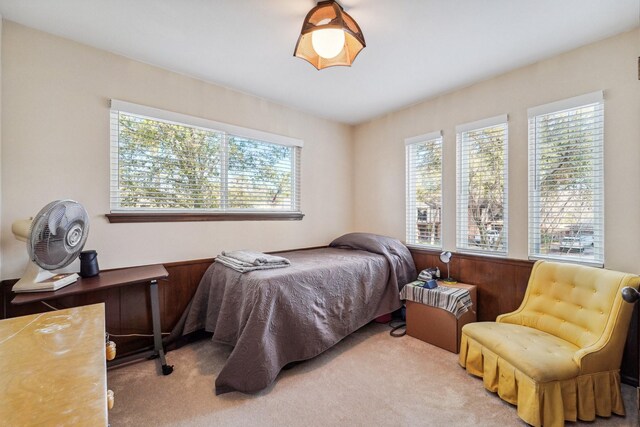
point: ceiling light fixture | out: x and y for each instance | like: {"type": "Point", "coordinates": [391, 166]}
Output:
{"type": "Point", "coordinates": [329, 37]}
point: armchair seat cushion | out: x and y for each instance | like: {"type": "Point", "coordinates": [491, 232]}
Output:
{"type": "Point", "coordinates": [541, 356]}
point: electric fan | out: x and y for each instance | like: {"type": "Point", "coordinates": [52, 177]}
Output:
{"type": "Point", "coordinates": [54, 239]}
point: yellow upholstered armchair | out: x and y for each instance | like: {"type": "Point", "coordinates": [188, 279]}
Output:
{"type": "Point", "coordinates": [557, 357]}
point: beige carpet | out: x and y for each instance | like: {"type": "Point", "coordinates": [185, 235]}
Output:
{"type": "Point", "coordinates": [369, 379]}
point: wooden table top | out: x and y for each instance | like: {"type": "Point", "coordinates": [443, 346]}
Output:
{"type": "Point", "coordinates": [104, 280]}
{"type": "Point", "coordinates": [53, 368]}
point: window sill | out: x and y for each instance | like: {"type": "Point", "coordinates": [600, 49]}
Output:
{"type": "Point", "coordinates": [568, 259]}
{"type": "Point", "coordinates": [122, 217]}
{"type": "Point", "coordinates": [483, 253]}
{"type": "Point", "coordinates": [420, 246]}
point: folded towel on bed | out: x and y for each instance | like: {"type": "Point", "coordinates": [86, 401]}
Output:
{"type": "Point", "coordinates": [244, 261]}
{"type": "Point", "coordinates": [255, 258]}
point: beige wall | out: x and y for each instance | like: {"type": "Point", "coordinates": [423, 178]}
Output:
{"type": "Point", "coordinates": [55, 144]}
{"type": "Point", "coordinates": [610, 65]}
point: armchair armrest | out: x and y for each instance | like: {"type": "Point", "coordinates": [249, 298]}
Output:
{"type": "Point", "coordinates": [606, 353]}
{"type": "Point", "coordinates": [513, 317]}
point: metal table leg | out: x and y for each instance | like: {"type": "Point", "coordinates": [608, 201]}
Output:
{"type": "Point", "coordinates": [157, 328]}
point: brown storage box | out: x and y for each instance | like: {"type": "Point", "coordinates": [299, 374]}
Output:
{"type": "Point", "coordinates": [437, 326]}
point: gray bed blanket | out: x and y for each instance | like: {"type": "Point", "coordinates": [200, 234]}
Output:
{"type": "Point", "coordinates": [274, 317]}
{"type": "Point", "coordinates": [394, 251]}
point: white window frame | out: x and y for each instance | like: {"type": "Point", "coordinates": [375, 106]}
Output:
{"type": "Point", "coordinates": [118, 106]}
{"type": "Point", "coordinates": [462, 210]}
{"type": "Point", "coordinates": [534, 225]}
{"type": "Point", "coordinates": [410, 204]}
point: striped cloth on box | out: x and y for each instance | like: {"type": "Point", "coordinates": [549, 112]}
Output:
{"type": "Point", "coordinates": [455, 300]}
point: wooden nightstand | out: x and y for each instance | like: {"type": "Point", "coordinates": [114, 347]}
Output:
{"type": "Point", "coordinates": [437, 326]}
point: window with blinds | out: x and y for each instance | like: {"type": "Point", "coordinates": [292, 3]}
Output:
{"type": "Point", "coordinates": [482, 186]}
{"type": "Point", "coordinates": [168, 162]}
{"type": "Point", "coordinates": [424, 190]}
{"type": "Point", "coordinates": [566, 180]}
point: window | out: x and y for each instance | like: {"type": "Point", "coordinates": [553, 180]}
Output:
{"type": "Point", "coordinates": [566, 180]}
{"type": "Point", "coordinates": [424, 189]}
{"type": "Point", "coordinates": [168, 163]}
{"type": "Point", "coordinates": [482, 186]}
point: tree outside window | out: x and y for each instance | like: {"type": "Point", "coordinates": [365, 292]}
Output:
{"type": "Point", "coordinates": [566, 198]}
{"type": "Point", "coordinates": [162, 165]}
{"type": "Point", "coordinates": [482, 188]}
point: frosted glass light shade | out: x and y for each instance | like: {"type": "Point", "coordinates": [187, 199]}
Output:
{"type": "Point", "coordinates": [329, 37]}
{"type": "Point", "coordinates": [327, 42]}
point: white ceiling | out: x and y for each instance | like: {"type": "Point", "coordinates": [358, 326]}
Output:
{"type": "Point", "coordinates": [415, 48]}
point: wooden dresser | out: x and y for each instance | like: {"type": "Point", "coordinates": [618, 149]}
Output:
{"type": "Point", "coordinates": [53, 368]}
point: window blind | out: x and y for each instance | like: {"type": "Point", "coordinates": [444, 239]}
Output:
{"type": "Point", "coordinates": [424, 189]}
{"type": "Point", "coordinates": [482, 186]}
{"type": "Point", "coordinates": [566, 180]}
{"type": "Point", "coordinates": [168, 162]}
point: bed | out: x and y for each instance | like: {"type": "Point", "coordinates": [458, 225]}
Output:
{"type": "Point", "coordinates": [274, 317]}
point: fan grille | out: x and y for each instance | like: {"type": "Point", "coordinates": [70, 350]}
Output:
{"type": "Point", "coordinates": [58, 234]}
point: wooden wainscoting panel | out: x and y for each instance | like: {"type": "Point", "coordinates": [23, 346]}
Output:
{"type": "Point", "coordinates": [522, 274]}
{"type": "Point", "coordinates": [183, 281]}
{"type": "Point", "coordinates": [135, 309]}
{"type": "Point", "coordinates": [135, 318]}
{"type": "Point", "coordinates": [501, 282]}
{"type": "Point", "coordinates": [493, 293]}
{"type": "Point", "coordinates": [175, 296]}
{"type": "Point", "coordinates": [198, 270]}
{"type": "Point", "coordinates": [428, 259]}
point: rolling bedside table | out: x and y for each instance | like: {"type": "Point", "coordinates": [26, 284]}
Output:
{"type": "Point", "coordinates": [437, 326]}
{"type": "Point", "coordinates": [112, 279]}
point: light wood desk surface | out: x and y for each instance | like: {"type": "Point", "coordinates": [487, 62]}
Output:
{"type": "Point", "coordinates": [53, 368]}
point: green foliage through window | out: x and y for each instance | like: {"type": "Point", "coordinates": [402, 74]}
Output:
{"type": "Point", "coordinates": [162, 165]}
{"type": "Point", "coordinates": [424, 192]}
{"type": "Point", "coordinates": [482, 188]}
{"type": "Point", "coordinates": [566, 194]}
